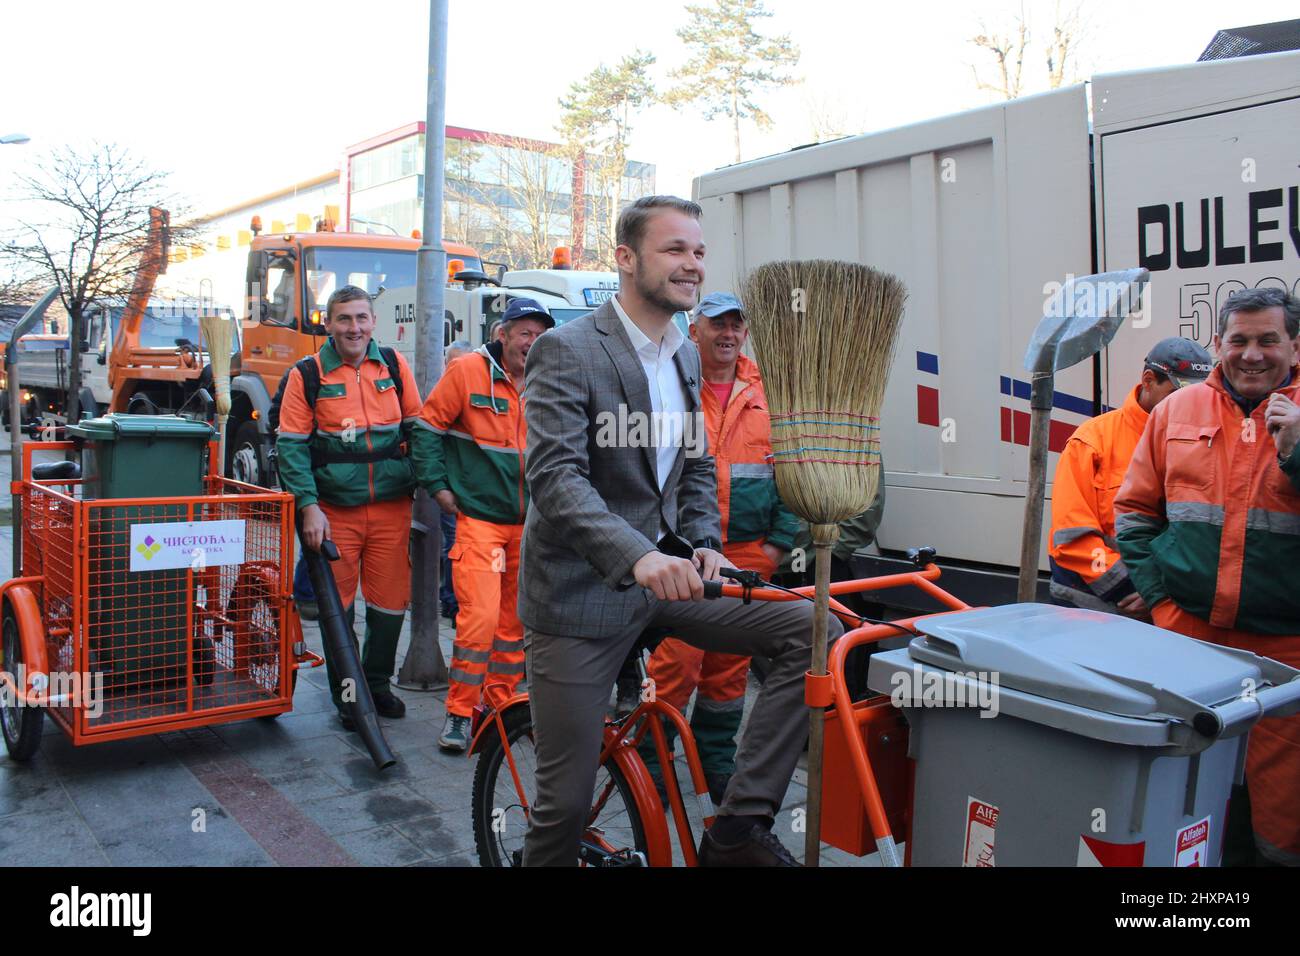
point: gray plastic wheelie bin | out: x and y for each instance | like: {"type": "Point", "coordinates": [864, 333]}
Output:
{"type": "Point", "coordinates": [1049, 736]}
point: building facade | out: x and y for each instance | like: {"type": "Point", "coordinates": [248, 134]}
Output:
{"type": "Point", "coordinates": [511, 198]}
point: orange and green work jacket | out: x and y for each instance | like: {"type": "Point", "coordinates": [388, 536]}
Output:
{"type": "Point", "coordinates": [1087, 570]}
{"type": "Point", "coordinates": [473, 424]}
{"type": "Point", "coordinates": [353, 448]}
{"type": "Point", "coordinates": [1208, 516]}
{"type": "Point", "coordinates": [740, 439]}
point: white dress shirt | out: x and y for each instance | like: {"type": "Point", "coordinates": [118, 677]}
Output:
{"type": "Point", "coordinates": [668, 399]}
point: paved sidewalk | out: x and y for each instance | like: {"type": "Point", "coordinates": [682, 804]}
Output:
{"type": "Point", "coordinates": [297, 790]}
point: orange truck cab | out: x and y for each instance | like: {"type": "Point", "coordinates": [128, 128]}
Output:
{"type": "Point", "coordinates": [289, 281]}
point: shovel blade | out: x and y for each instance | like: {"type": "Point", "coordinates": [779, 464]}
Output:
{"type": "Point", "coordinates": [1081, 318]}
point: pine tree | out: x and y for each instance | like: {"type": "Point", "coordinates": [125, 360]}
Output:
{"type": "Point", "coordinates": [732, 63]}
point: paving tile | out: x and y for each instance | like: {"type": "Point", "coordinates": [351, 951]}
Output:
{"type": "Point", "coordinates": [381, 846]}
{"type": "Point", "coordinates": [441, 835]}
{"type": "Point", "coordinates": [457, 860]}
{"type": "Point", "coordinates": [357, 773]}
{"type": "Point", "coordinates": [350, 812]}
{"type": "Point", "coordinates": [312, 753]}
{"type": "Point", "coordinates": [136, 795]}
{"type": "Point", "coordinates": [171, 842]}
{"type": "Point", "coordinates": [54, 838]}
{"type": "Point", "coordinates": [58, 753]}
{"type": "Point", "coordinates": [31, 790]}
{"type": "Point", "coordinates": [300, 786]}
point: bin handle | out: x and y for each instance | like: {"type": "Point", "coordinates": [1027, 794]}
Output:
{"type": "Point", "coordinates": [1239, 715]}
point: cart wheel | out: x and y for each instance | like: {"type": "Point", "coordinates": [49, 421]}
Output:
{"type": "Point", "coordinates": [293, 689]}
{"type": "Point", "coordinates": [22, 726]}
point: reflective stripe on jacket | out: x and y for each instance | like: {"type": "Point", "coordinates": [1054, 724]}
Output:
{"type": "Point", "coordinates": [357, 412]}
{"type": "Point", "coordinates": [1086, 567]}
{"type": "Point", "coordinates": [472, 430]}
{"type": "Point", "coordinates": [740, 439]}
{"type": "Point", "coordinates": [1207, 516]}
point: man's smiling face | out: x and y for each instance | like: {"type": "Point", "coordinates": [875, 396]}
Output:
{"type": "Point", "coordinates": [668, 266]}
{"type": "Point", "coordinates": [720, 338]}
{"type": "Point", "coordinates": [1255, 351]}
{"type": "Point", "coordinates": [351, 325]}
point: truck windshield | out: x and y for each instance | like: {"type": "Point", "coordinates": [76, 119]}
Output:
{"type": "Point", "coordinates": [329, 268]}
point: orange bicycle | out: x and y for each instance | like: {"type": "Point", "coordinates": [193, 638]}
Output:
{"type": "Point", "coordinates": [866, 778]}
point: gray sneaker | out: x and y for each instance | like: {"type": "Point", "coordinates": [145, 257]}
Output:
{"type": "Point", "coordinates": [455, 734]}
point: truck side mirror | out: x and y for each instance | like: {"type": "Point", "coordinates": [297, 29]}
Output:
{"type": "Point", "coordinates": [255, 286]}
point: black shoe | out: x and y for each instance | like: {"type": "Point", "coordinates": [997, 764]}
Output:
{"type": "Point", "coordinates": [348, 723]}
{"type": "Point", "coordinates": [308, 610]}
{"type": "Point", "coordinates": [717, 783]}
{"type": "Point", "coordinates": [760, 848]}
{"type": "Point", "coordinates": [388, 705]}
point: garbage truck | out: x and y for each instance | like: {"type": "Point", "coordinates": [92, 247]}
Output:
{"type": "Point", "coordinates": [1189, 171]}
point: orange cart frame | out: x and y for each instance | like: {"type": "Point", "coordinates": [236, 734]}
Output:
{"type": "Point", "coordinates": [73, 583]}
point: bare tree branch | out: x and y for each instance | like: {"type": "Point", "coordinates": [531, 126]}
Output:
{"type": "Point", "coordinates": [92, 232]}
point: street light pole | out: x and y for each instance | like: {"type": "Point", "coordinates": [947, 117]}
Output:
{"type": "Point", "coordinates": [424, 666]}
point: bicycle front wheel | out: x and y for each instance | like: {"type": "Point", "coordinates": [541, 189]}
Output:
{"type": "Point", "coordinates": [614, 835]}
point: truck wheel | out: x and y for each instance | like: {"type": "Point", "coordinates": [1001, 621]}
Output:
{"type": "Point", "coordinates": [244, 459]}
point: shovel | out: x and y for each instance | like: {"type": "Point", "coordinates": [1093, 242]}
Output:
{"type": "Point", "coordinates": [1078, 322]}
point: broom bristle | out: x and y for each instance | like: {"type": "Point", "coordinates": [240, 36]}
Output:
{"type": "Point", "coordinates": [218, 336]}
{"type": "Point", "coordinates": [824, 334]}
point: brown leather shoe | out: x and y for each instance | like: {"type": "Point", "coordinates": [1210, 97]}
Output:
{"type": "Point", "coordinates": [759, 848]}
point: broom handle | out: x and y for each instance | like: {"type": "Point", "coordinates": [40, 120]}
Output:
{"type": "Point", "coordinates": [1040, 403]}
{"type": "Point", "coordinates": [824, 537]}
{"type": "Point", "coordinates": [221, 445]}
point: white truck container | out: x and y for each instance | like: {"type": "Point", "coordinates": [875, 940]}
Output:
{"type": "Point", "coordinates": [1190, 171]}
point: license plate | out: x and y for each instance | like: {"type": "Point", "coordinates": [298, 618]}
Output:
{"type": "Point", "coordinates": [596, 297]}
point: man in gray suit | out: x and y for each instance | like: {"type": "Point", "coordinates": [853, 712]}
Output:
{"type": "Point", "coordinates": [623, 529]}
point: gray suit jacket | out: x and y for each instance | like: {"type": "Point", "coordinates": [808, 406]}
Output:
{"type": "Point", "coordinates": [595, 504]}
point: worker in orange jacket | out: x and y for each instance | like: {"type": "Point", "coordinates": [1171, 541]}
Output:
{"type": "Point", "coordinates": [477, 472]}
{"type": "Point", "coordinates": [757, 530]}
{"type": "Point", "coordinates": [1208, 523]}
{"type": "Point", "coordinates": [343, 453]}
{"type": "Point", "coordinates": [1087, 570]}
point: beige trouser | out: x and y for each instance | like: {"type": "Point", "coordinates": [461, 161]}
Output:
{"type": "Point", "coordinates": [569, 682]}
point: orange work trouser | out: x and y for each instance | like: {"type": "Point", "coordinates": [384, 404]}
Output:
{"type": "Point", "coordinates": [1273, 755]}
{"type": "Point", "coordinates": [374, 548]}
{"type": "Point", "coordinates": [487, 658]}
{"type": "Point", "coordinates": [678, 669]}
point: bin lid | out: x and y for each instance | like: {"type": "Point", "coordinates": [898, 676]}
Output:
{"type": "Point", "coordinates": [117, 425]}
{"type": "Point", "coordinates": [1088, 659]}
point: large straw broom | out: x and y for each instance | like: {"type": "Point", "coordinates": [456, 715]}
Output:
{"type": "Point", "coordinates": [824, 335]}
{"type": "Point", "coordinates": [218, 335]}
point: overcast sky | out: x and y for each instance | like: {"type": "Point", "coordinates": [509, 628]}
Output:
{"type": "Point", "coordinates": [238, 98]}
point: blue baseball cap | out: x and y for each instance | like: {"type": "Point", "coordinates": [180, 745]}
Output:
{"type": "Point", "coordinates": [719, 303]}
{"type": "Point", "coordinates": [527, 309]}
